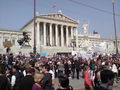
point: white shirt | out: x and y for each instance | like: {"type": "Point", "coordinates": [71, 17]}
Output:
{"type": "Point", "coordinates": [13, 79]}
{"type": "Point", "coordinates": [114, 68]}
{"type": "Point", "coordinates": [24, 73]}
{"type": "Point", "coordinates": [53, 75]}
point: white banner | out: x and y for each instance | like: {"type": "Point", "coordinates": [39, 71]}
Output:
{"type": "Point", "coordinates": [82, 54]}
{"type": "Point", "coordinates": [102, 47]}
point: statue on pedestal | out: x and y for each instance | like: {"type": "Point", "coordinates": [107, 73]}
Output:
{"type": "Point", "coordinates": [25, 40]}
{"type": "Point", "coordinates": [85, 28]}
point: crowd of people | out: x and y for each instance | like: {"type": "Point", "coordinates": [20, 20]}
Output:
{"type": "Point", "coordinates": [34, 72]}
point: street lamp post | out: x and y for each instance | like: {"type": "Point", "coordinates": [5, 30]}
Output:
{"type": "Point", "coordinates": [113, 2]}
{"type": "Point", "coordinates": [34, 47]}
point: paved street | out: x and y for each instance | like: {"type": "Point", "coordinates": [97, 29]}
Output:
{"type": "Point", "coordinates": [79, 84]}
{"type": "Point", "coordinates": [116, 86]}
{"type": "Point", "coordinates": [75, 83]}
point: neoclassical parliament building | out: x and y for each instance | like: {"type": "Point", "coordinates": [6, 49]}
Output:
{"type": "Point", "coordinates": [55, 33]}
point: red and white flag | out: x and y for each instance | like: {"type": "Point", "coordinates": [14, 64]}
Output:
{"type": "Point", "coordinates": [54, 6]}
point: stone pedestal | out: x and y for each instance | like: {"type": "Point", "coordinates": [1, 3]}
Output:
{"type": "Point", "coordinates": [26, 49]}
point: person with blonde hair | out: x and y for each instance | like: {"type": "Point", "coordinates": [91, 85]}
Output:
{"type": "Point", "coordinates": [37, 79]}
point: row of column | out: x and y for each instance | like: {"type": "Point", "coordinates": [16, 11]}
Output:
{"type": "Point", "coordinates": [56, 34]}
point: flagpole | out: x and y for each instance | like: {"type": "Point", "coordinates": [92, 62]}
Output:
{"type": "Point", "coordinates": [114, 20]}
{"type": "Point", "coordinates": [34, 47]}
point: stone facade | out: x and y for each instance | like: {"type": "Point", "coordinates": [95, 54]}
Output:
{"type": "Point", "coordinates": [54, 33]}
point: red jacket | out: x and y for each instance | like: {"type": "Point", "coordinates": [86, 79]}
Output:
{"type": "Point", "coordinates": [87, 79]}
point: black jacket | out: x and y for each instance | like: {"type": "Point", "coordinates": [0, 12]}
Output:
{"type": "Point", "coordinates": [27, 83]}
{"type": "Point", "coordinates": [46, 82]}
{"type": "Point", "coordinates": [4, 83]}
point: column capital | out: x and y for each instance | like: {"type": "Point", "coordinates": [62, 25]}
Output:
{"type": "Point", "coordinates": [66, 26]}
{"type": "Point", "coordinates": [56, 24]}
{"type": "Point", "coordinates": [44, 22]}
{"type": "Point", "coordinates": [37, 21]}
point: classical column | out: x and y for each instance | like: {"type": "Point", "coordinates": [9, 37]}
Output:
{"type": "Point", "coordinates": [38, 34]}
{"type": "Point", "coordinates": [67, 36]}
{"type": "Point", "coordinates": [17, 39]}
{"type": "Point", "coordinates": [44, 27]}
{"type": "Point", "coordinates": [2, 39]}
{"type": "Point", "coordinates": [56, 34]}
{"type": "Point", "coordinates": [62, 39]}
{"type": "Point", "coordinates": [10, 37]}
{"type": "Point", "coordinates": [72, 29]}
{"type": "Point", "coordinates": [76, 37]}
{"type": "Point", "coordinates": [50, 34]}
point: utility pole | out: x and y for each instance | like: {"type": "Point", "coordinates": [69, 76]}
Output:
{"type": "Point", "coordinates": [34, 47]}
{"type": "Point", "coordinates": [114, 20]}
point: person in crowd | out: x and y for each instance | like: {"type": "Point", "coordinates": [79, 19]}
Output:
{"type": "Point", "coordinates": [77, 67]}
{"type": "Point", "coordinates": [96, 80]}
{"type": "Point", "coordinates": [63, 64]}
{"type": "Point", "coordinates": [87, 79]}
{"type": "Point", "coordinates": [107, 79]}
{"type": "Point", "coordinates": [27, 81]}
{"type": "Point", "coordinates": [1, 57]}
{"type": "Point", "coordinates": [66, 68]}
{"type": "Point", "coordinates": [37, 79]}
{"type": "Point", "coordinates": [115, 71]}
{"type": "Point", "coordinates": [64, 83]}
{"type": "Point", "coordinates": [92, 75]}
{"type": "Point", "coordinates": [56, 67]}
{"type": "Point", "coordinates": [119, 71]}
{"type": "Point", "coordinates": [4, 83]}
{"type": "Point", "coordinates": [46, 82]}
{"type": "Point", "coordinates": [60, 68]}
{"type": "Point", "coordinates": [8, 49]}
{"type": "Point", "coordinates": [92, 65]}
{"type": "Point", "coordinates": [52, 73]}
{"type": "Point", "coordinates": [16, 78]}
{"type": "Point", "coordinates": [10, 60]}
{"type": "Point", "coordinates": [73, 68]}
{"type": "Point", "coordinates": [9, 74]}
{"type": "Point", "coordinates": [40, 67]}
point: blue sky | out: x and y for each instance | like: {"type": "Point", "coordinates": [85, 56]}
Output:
{"type": "Point", "coordinates": [16, 13]}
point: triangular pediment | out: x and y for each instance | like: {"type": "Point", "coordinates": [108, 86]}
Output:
{"type": "Point", "coordinates": [59, 17]}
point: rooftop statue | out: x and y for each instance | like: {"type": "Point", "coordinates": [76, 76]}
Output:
{"type": "Point", "coordinates": [85, 28]}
